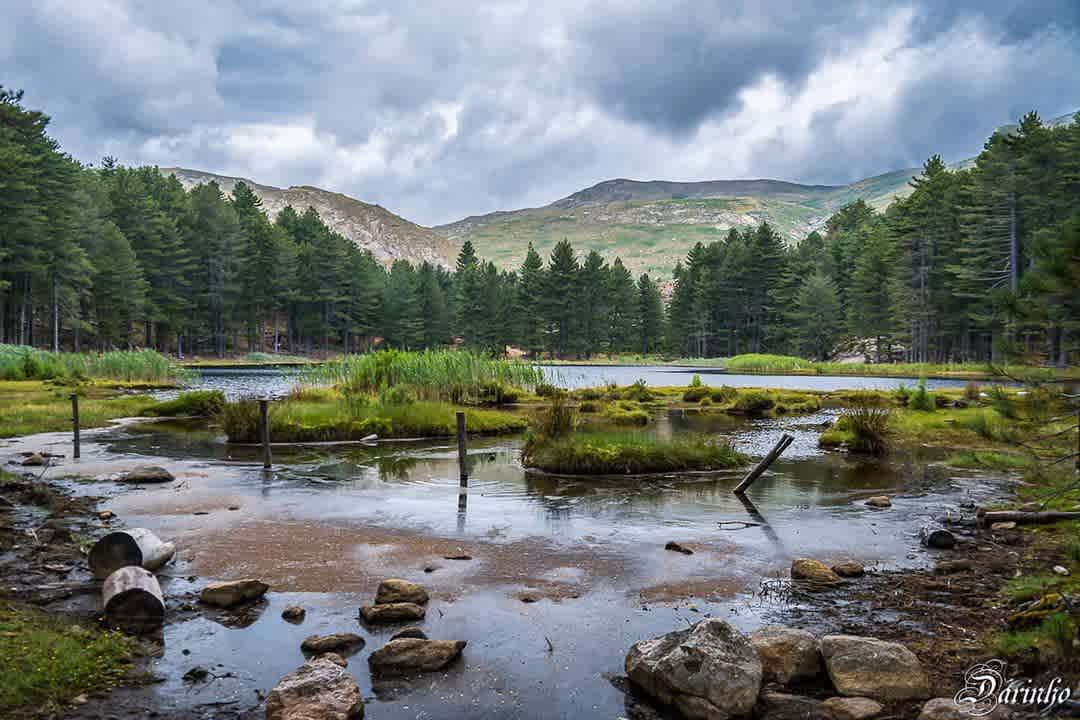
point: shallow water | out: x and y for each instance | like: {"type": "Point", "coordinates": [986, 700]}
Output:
{"type": "Point", "coordinates": [275, 381]}
{"type": "Point", "coordinates": [330, 521]}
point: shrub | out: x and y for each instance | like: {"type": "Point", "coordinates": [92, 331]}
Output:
{"type": "Point", "coordinates": [869, 429]}
{"type": "Point", "coordinates": [972, 391]}
{"type": "Point", "coordinates": [547, 390]}
{"type": "Point", "coordinates": [753, 403]}
{"type": "Point", "coordinates": [724, 394]}
{"type": "Point", "coordinates": [396, 395]}
{"type": "Point", "coordinates": [902, 394]}
{"type": "Point", "coordinates": [629, 453]}
{"type": "Point", "coordinates": [496, 393]}
{"type": "Point", "coordinates": [589, 406]}
{"type": "Point", "coordinates": [694, 393]}
{"type": "Point", "coordinates": [1003, 403]}
{"type": "Point", "coordinates": [638, 392]}
{"type": "Point", "coordinates": [559, 418]}
{"type": "Point", "coordinates": [200, 403]}
{"type": "Point", "coordinates": [591, 394]}
{"type": "Point", "coordinates": [623, 413]}
{"type": "Point", "coordinates": [922, 399]}
{"type": "Point", "coordinates": [695, 381]}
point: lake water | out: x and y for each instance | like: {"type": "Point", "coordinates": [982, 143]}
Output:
{"type": "Point", "coordinates": [275, 382]}
{"type": "Point", "coordinates": [329, 522]}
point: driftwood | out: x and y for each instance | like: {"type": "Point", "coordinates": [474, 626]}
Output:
{"type": "Point", "coordinates": [762, 466]}
{"type": "Point", "coordinates": [932, 536]}
{"type": "Point", "coordinates": [137, 546]}
{"type": "Point", "coordinates": [1021, 517]}
{"type": "Point", "coordinates": [133, 600]}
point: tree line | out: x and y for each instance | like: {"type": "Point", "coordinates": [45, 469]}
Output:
{"type": "Point", "coordinates": [973, 263]}
{"type": "Point", "coordinates": [970, 262]}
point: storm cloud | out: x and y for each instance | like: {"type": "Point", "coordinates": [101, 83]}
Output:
{"type": "Point", "coordinates": [442, 110]}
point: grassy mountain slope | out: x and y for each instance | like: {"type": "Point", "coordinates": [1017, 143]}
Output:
{"type": "Point", "coordinates": [373, 227]}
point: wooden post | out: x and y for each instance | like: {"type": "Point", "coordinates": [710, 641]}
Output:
{"type": "Point", "coordinates": [264, 431]}
{"type": "Point", "coordinates": [766, 461]}
{"type": "Point", "coordinates": [133, 601]}
{"type": "Point", "coordinates": [75, 424]}
{"type": "Point", "coordinates": [462, 449]}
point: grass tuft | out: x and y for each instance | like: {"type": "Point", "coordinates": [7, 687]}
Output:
{"type": "Point", "coordinates": [602, 453]}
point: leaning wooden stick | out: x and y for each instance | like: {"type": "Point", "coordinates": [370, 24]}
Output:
{"type": "Point", "coordinates": [766, 461]}
{"type": "Point", "coordinates": [1028, 518]}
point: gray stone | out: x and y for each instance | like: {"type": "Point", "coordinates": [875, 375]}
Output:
{"type": "Point", "coordinates": [868, 667]}
{"type": "Point", "coordinates": [147, 474]}
{"type": "Point", "coordinates": [336, 643]}
{"type": "Point", "coordinates": [782, 706]}
{"type": "Point", "coordinates": [320, 689]}
{"type": "Point", "coordinates": [293, 613]}
{"type": "Point", "coordinates": [786, 654]}
{"type": "Point", "coordinates": [849, 569]}
{"type": "Point", "coordinates": [813, 571]}
{"type": "Point", "coordinates": [407, 655]}
{"type": "Point", "coordinates": [34, 460]}
{"type": "Point", "coordinates": [233, 592]}
{"type": "Point", "coordinates": [409, 632]}
{"type": "Point", "coordinates": [947, 709]}
{"type": "Point", "coordinates": [391, 612]}
{"type": "Point", "coordinates": [394, 590]}
{"type": "Point", "coordinates": [709, 671]}
{"type": "Point", "coordinates": [852, 708]}
{"type": "Point", "coordinates": [879, 502]}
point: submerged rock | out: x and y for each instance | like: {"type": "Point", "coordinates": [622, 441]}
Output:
{"type": "Point", "coordinates": [336, 643]}
{"type": "Point", "coordinates": [147, 474]}
{"type": "Point", "coordinates": [709, 671]}
{"type": "Point", "coordinates": [868, 667]}
{"type": "Point", "coordinates": [849, 569]}
{"type": "Point", "coordinates": [813, 570]}
{"type": "Point", "coordinates": [34, 460]}
{"type": "Point", "coordinates": [394, 590]}
{"type": "Point", "coordinates": [782, 706]}
{"type": "Point", "coordinates": [406, 655]}
{"type": "Point", "coordinates": [852, 708]}
{"type": "Point", "coordinates": [320, 689]}
{"type": "Point", "coordinates": [786, 653]}
{"type": "Point", "coordinates": [878, 501]}
{"type": "Point", "coordinates": [233, 592]}
{"type": "Point", "coordinates": [392, 612]}
{"type": "Point", "coordinates": [293, 613]}
{"type": "Point", "coordinates": [679, 548]}
{"type": "Point", "coordinates": [409, 632]}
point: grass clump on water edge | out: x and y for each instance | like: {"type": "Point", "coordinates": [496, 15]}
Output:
{"type": "Point", "coordinates": [863, 429]}
{"type": "Point", "coordinates": [22, 362]}
{"type": "Point", "coordinates": [31, 406]}
{"type": "Point", "coordinates": [45, 662]}
{"type": "Point", "coordinates": [456, 376]}
{"type": "Point", "coordinates": [197, 403]}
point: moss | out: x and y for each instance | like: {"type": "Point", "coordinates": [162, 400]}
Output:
{"type": "Point", "coordinates": [753, 403]}
{"type": "Point", "coordinates": [625, 413]}
{"type": "Point", "coordinates": [591, 453]}
{"type": "Point", "coordinates": [695, 394]}
{"type": "Point", "coordinates": [198, 403]}
{"type": "Point", "coordinates": [988, 459]}
{"type": "Point", "coordinates": [45, 662]}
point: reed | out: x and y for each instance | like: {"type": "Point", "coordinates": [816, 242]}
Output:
{"type": "Point", "coordinates": [21, 362]}
{"type": "Point", "coordinates": [603, 453]}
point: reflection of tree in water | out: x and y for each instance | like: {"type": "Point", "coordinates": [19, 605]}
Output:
{"type": "Point", "coordinates": [396, 467]}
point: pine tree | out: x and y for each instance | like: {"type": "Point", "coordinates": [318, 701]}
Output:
{"type": "Point", "coordinates": [622, 309]}
{"type": "Point", "coordinates": [819, 319]}
{"type": "Point", "coordinates": [561, 304]}
{"type": "Point", "coordinates": [594, 304]}
{"type": "Point", "coordinates": [650, 316]}
{"type": "Point", "coordinates": [528, 302]}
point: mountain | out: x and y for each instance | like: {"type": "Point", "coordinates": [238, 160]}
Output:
{"type": "Point", "coordinates": [371, 227]}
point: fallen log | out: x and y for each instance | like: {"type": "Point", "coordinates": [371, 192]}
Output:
{"type": "Point", "coordinates": [137, 546]}
{"type": "Point", "coordinates": [133, 601]}
{"type": "Point", "coordinates": [936, 537]}
{"type": "Point", "coordinates": [781, 446]}
{"type": "Point", "coordinates": [1024, 517]}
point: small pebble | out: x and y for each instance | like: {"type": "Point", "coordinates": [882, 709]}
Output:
{"type": "Point", "coordinates": [1061, 570]}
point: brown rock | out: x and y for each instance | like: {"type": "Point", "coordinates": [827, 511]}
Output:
{"type": "Point", "coordinates": [1008, 525]}
{"type": "Point", "coordinates": [106, 515]}
{"type": "Point", "coordinates": [679, 548]}
{"type": "Point", "coordinates": [879, 502]}
{"type": "Point", "coordinates": [392, 612]}
{"type": "Point", "coordinates": [34, 460]}
{"type": "Point", "coordinates": [950, 567]}
{"type": "Point", "coordinates": [147, 474]}
{"type": "Point", "coordinates": [868, 667]}
{"type": "Point", "coordinates": [293, 613]}
{"type": "Point", "coordinates": [321, 689]}
{"type": "Point", "coordinates": [233, 592]}
{"type": "Point", "coordinates": [849, 569]}
{"type": "Point", "coordinates": [337, 643]}
{"type": "Point", "coordinates": [786, 653]}
{"type": "Point", "coordinates": [782, 706]}
{"type": "Point", "coordinates": [394, 590]}
{"type": "Point", "coordinates": [409, 632]}
{"type": "Point", "coordinates": [852, 708]}
{"type": "Point", "coordinates": [414, 655]}
{"type": "Point", "coordinates": [813, 571]}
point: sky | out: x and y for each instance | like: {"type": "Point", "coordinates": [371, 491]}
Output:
{"type": "Point", "coordinates": [440, 110]}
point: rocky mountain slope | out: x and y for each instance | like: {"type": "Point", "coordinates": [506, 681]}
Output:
{"type": "Point", "coordinates": [372, 227]}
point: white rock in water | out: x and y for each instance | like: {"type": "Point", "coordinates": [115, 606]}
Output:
{"type": "Point", "coordinates": [321, 689]}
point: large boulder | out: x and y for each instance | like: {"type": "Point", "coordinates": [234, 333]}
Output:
{"type": "Point", "coordinates": [336, 643]}
{"type": "Point", "coordinates": [394, 590]}
{"type": "Point", "coordinates": [321, 689]}
{"type": "Point", "coordinates": [786, 654]}
{"type": "Point", "coordinates": [391, 613]}
{"type": "Point", "coordinates": [852, 708]}
{"type": "Point", "coordinates": [947, 709]}
{"type": "Point", "coordinates": [709, 671]}
{"type": "Point", "coordinates": [782, 706]}
{"type": "Point", "coordinates": [407, 655]}
{"type": "Point", "coordinates": [849, 569]}
{"type": "Point", "coordinates": [813, 571]}
{"type": "Point", "coordinates": [868, 667]}
{"type": "Point", "coordinates": [233, 592]}
{"type": "Point", "coordinates": [147, 474]}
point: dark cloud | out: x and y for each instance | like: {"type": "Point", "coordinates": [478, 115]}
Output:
{"type": "Point", "coordinates": [441, 110]}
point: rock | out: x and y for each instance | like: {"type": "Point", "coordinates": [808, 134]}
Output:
{"type": "Point", "coordinates": [947, 709]}
{"type": "Point", "coordinates": [461, 556]}
{"type": "Point", "coordinates": [868, 667]}
{"type": "Point", "coordinates": [709, 671]}
{"type": "Point", "coordinates": [106, 515]}
{"type": "Point", "coordinates": [950, 567]}
{"type": "Point", "coordinates": [852, 708]}
{"type": "Point", "coordinates": [409, 632]}
{"type": "Point", "coordinates": [813, 571]}
{"type": "Point", "coordinates": [293, 613]}
{"type": "Point", "coordinates": [320, 689]}
{"type": "Point", "coordinates": [234, 507]}
{"type": "Point", "coordinates": [849, 569]}
{"type": "Point", "coordinates": [336, 643]}
{"type": "Point", "coordinates": [196, 674]}
{"type": "Point", "coordinates": [937, 538]}
{"type": "Point", "coordinates": [394, 590]}
{"type": "Point", "coordinates": [878, 501]}
{"type": "Point", "coordinates": [233, 592]}
{"type": "Point", "coordinates": [336, 659]}
{"type": "Point", "coordinates": [1008, 525]}
{"type": "Point", "coordinates": [34, 460]}
{"type": "Point", "coordinates": [786, 653]}
{"type": "Point", "coordinates": [80, 699]}
{"type": "Point", "coordinates": [147, 474]}
{"type": "Point", "coordinates": [1061, 570]}
{"type": "Point", "coordinates": [1031, 507]}
{"type": "Point", "coordinates": [392, 612]}
{"type": "Point", "coordinates": [782, 706]}
{"type": "Point", "coordinates": [676, 547]}
{"type": "Point", "coordinates": [414, 655]}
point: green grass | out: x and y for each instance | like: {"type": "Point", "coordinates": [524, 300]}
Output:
{"type": "Point", "coordinates": [1053, 635]}
{"type": "Point", "coordinates": [45, 662]}
{"type": "Point", "coordinates": [197, 403]}
{"type": "Point", "coordinates": [605, 453]}
{"type": "Point", "coordinates": [33, 406]}
{"type": "Point", "coordinates": [988, 460]}
{"type": "Point", "coordinates": [332, 415]}
{"type": "Point", "coordinates": [624, 412]}
{"type": "Point", "coordinates": [789, 365]}
{"type": "Point", "coordinates": [457, 376]}
{"type": "Point", "coordinates": [21, 362]}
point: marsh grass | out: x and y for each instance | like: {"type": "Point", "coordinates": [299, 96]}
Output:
{"type": "Point", "coordinates": [627, 453]}
{"type": "Point", "coordinates": [45, 662]}
{"type": "Point", "coordinates": [624, 412]}
{"type": "Point", "coordinates": [21, 362]}
{"type": "Point", "coordinates": [197, 403]}
{"type": "Point", "coordinates": [31, 406]}
{"type": "Point", "coordinates": [863, 429]}
{"type": "Point", "coordinates": [788, 365]}
{"type": "Point", "coordinates": [988, 459]}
